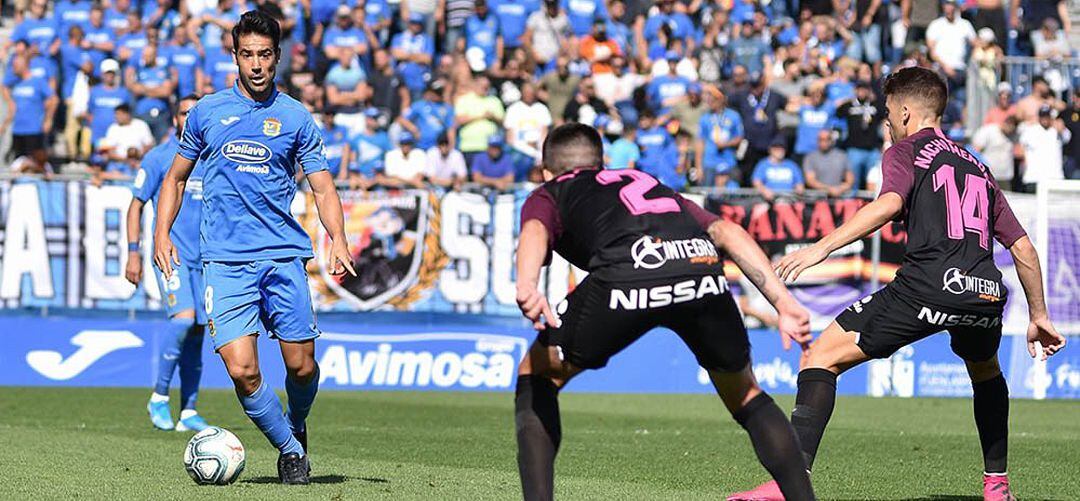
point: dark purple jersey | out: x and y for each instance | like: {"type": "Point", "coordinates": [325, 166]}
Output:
{"type": "Point", "coordinates": [623, 225]}
{"type": "Point", "coordinates": [953, 207]}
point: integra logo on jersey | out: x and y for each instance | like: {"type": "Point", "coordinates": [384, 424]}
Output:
{"type": "Point", "coordinates": [651, 253]}
{"type": "Point", "coordinates": [943, 319]}
{"type": "Point", "coordinates": [246, 152]}
{"type": "Point", "coordinates": [665, 295]}
{"type": "Point", "coordinates": [956, 282]}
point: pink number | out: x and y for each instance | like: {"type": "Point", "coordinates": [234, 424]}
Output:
{"type": "Point", "coordinates": [967, 213]}
{"type": "Point", "coordinates": [633, 194]}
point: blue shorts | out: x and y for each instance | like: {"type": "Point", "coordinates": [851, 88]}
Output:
{"type": "Point", "coordinates": [184, 291]}
{"type": "Point", "coordinates": [269, 296]}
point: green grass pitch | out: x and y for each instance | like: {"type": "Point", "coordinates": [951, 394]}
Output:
{"type": "Point", "coordinates": [98, 444]}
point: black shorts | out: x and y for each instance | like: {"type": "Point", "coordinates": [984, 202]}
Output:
{"type": "Point", "coordinates": [27, 144]}
{"type": "Point", "coordinates": [599, 319]}
{"type": "Point", "coordinates": [888, 320]}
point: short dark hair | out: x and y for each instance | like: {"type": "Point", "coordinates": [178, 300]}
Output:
{"type": "Point", "coordinates": [175, 107]}
{"type": "Point", "coordinates": [257, 22]}
{"type": "Point", "coordinates": [573, 146]}
{"type": "Point", "coordinates": [123, 107]}
{"type": "Point", "coordinates": [923, 85]}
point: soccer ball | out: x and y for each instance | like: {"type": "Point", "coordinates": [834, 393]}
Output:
{"type": "Point", "coordinates": [214, 456]}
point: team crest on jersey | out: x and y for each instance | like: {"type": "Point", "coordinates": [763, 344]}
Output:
{"type": "Point", "coordinates": [210, 327]}
{"type": "Point", "coordinates": [271, 127]}
{"type": "Point", "coordinates": [394, 240]}
{"type": "Point", "coordinates": [172, 300]}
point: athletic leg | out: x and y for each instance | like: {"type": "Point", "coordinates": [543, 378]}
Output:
{"type": "Point", "coordinates": [301, 384]}
{"type": "Point", "coordinates": [536, 416]}
{"type": "Point", "coordinates": [191, 367]}
{"type": "Point", "coordinates": [260, 403]}
{"type": "Point", "coordinates": [176, 330]}
{"type": "Point", "coordinates": [770, 432]}
{"type": "Point", "coordinates": [991, 404]}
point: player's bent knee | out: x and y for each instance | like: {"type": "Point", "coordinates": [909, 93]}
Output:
{"type": "Point", "coordinates": [246, 378]}
{"type": "Point", "coordinates": [304, 371]}
{"type": "Point", "coordinates": [983, 371]}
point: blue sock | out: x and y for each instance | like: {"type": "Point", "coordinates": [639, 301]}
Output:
{"type": "Point", "coordinates": [175, 332]}
{"type": "Point", "coordinates": [300, 399]}
{"type": "Point", "coordinates": [191, 367]}
{"type": "Point", "coordinates": [264, 409]}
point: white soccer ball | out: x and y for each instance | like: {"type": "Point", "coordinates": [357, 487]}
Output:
{"type": "Point", "coordinates": [214, 456]}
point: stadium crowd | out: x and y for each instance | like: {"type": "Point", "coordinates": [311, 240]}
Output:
{"type": "Point", "coordinates": [777, 95]}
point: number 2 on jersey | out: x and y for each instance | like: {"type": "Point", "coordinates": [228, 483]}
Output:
{"type": "Point", "coordinates": [970, 212]}
{"type": "Point", "coordinates": [633, 194]}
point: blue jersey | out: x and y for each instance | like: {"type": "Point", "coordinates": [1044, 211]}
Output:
{"type": "Point", "coordinates": [101, 106]}
{"type": "Point", "coordinates": [36, 32]}
{"type": "Point", "coordinates": [99, 36]}
{"type": "Point", "coordinates": [582, 13]}
{"type": "Point", "coordinates": [512, 16]}
{"type": "Point", "coordinates": [211, 33]}
{"type": "Point", "coordinates": [681, 26]}
{"type": "Point", "coordinates": [217, 66]}
{"type": "Point", "coordinates": [185, 230]}
{"type": "Point", "coordinates": [370, 149]}
{"type": "Point", "coordinates": [68, 13]}
{"type": "Point", "coordinates": [414, 75]}
{"type": "Point", "coordinates": [335, 138]}
{"type": "Point", "coordinates": [71, 59]}
{"type": "Point", "coordinates": [151, 76]}
{"type": "Point", "coordinates": [134, 42]}
{"type": "Point", "coordinates": [116, 20]}
{"type": "Point", "coordinates": [782, 176]}
{"type": "Point", "coordinates": [186, 60]}
{"type": "Point", "coordinates": [250, 152]}
{"type": "Point", "coordinates": [375, 11]}
{"type": "Point", "coordinates": [483, 33]}
{"type": "Point", "coordinates": [433, 119]}
{"type": "Point", "coordinates": [717, 128]}
{"type": "Point", "coordinates": [29, 96]}
{"type": "Point", "coordinates": [811, 121]}
{"type": "Point", "coordinates": [657, 148]}
{"type": "Point", "coordinates": [665, 87]}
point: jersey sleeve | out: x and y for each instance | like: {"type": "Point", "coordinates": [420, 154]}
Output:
{"type": "Point", "coordinates": [898, 170]}
{"type": "Point", "coordinates": [148, 179]}
{"type": "Point", "coordinates": [703, 217]}
{"type": "Point", "coordinates": [192, 142]}
{"type": "Point", "coordinates": [1007, 229]}
{"type": "Point", "coordinates": [541, 206]}
{"type": "Point", "coordinates": [310, 152]}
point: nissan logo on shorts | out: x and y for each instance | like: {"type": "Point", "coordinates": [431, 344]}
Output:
{"type": "Point", "coordinates": [246, 152]}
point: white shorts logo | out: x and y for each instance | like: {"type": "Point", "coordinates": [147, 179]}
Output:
{"type": "Point", "coordinates": [171, 283]}
{"type": "Point", "coordinates": [858, 305]}
{"type": "Point", "coordinates": [208, 298]}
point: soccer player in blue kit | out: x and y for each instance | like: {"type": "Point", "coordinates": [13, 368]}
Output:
{"type": "Point", "coordinates": [249, 140]}
{"type": "Point", "coordinates": [182, 293]}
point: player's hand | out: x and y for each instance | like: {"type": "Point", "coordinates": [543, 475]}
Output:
{"type": "Point", "coordinates": [792, 265]}
{"type": "Point", "coordinates": [1043, 332]}
{"type": "Point", "coordinates": [165, 255]}
{"type": "Point", "coordinates": [533, 304]}
{"type": "Point", "coordinates": [340, 258]}
{"type": "Point", "coordinates": [794, 324]}
{"type": "Point", "coordinates": [133, 271]}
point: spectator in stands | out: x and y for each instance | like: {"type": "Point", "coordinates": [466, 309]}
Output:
{"type": "Point", "coordinates": [585, 106]}
{"type": "Point", "coordinates": [31, 105]}
{"type": "Point", "coordinates": [345, 36]}
{"type": "Point", "coordinates": [477, 116]}
{"type": "Point", "coordinates": [1035, 13]}
{"type": "Point", "coordinates": [1071, 152]}
{"type": "Point", "coordinates": [758, 108]}
{"type": "Point", "coordinates": [1003, 106]}
{"type": "Point", "coordinates": [599, 49]}
{"type": "Point", "coordinates": [994, 141]}
{"type": "Point", "coordinates": [689, 112]}
{"type": "Point", "coordinates": [547, 34]}
{"type": "Point", "coordinates": [104, 98]}
{"type": "Point", "coordinates": [916, 16]}
{"type": "Point", "coordinates": [513, 15]}
{"type": "Point", "coordinates": [219, 67]}
{"type": "Point", "coordinates": [618, 30]}
{"type": "Point", "coordinates": [369, 149]}
{"type": "Point", "coordinates": [213, 23]}
{"type": "Point", "coordinates": [1042, 149]}
{"type": "Point", "coordinates": [429, 118]}
{"type": "Point", "coordinates": [482, 32]}
{"type": "Point", "coordinates": [775, 174]}
{"type": "Point", "coordinates": [133, 38]}
{"type": "Point", "coordinates": [949, 38]}
{"type": "Point", "coordinates": [185, 58]}
{"type": "Point", "coordinates": [558, 87]}
{"type": "Point", "coordinates": [163, 16]}
{"type": "Point", "coordinates": [72, 58]}
{"type": "Point", "coordinates": [152, 83]}
{"type": "Point", "coordinates": [659, 152]}
{"type": "Point", "coordinates": [336, 143]}
{"type": "Point", "coordinates": [1027, 109]}
{"type": "Point", "coordinates": [678, 23]}
{"type": "Point", "coordinates": [40, 66]}
{"type": "Point", "coordinates": [68, 13]}
{"type": "Point", "coordinates": [749, 50]}
{"type": "Point", "coordinates": [667, 90]}
{"type": "Point", "coordinates": [347, 89]}
{"type": "Point", "coordinates": [624, 152]}
{"type": "Point", "coordinates": [827, 169]}
{"type": "Point", "coordinates": [405, 165]}
{"type": "Point", "coordinates": [414, 52]}
{"type": "Point", "coordinates": [991, 14]}
{"type": "Point", "coordinates": [37, 30]}
{"type": "Point", "coordinates": [451, 22]}
{"type": "Point", "coordinates": [99, 38]}
{"type": "Point", "coordinates": [582, 15]}
{"type": "Point", "coordinates": [721, 131]}
{"type": "Point", "coordinates": [123, 146]}
{"type": "Point", "coordinates": [388, 94]}
{"type": "Point", "coordinates": [526, 123]}
{"type": "Point", "coordinates": [1050, 41]}
{"type": "Point", "coordinates": [493, 168]}
{"type": "Point", "coordinates": [377, 18]}
{"type": "Point", "coordinates": [815, 114]}
{"type": "Point", "coordinates": [445, 164]}
{"type": "Point", "coordinates": [617, 89]}
{"type": "Point", "coordinates": [863, 116]}
{"type": "Point", "coordinates": [865, 26]}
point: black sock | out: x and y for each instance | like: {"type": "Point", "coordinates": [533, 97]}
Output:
{"type": "Point", "coordinates": [813, 407]}
{"type": "Point", "coordinates": [992, 419]}
{"type": "Point", "coordinates": [776, 446]}
{"type": "Point", "coordinates": [536, 414]}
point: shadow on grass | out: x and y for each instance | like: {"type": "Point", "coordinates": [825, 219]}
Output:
{"type": "Point", "coordinates": [320, 479]}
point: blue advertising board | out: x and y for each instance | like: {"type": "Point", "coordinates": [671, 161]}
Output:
{"type": "Point", "coordinates": [431, 351]}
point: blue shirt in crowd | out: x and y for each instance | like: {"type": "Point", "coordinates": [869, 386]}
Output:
{"type": "Point", "coordinates": [433, 119]}
{"type": "Point", "coordinates": [665, 87]}
{"type": "Point", "coordinates": [512, 16]}
{"type": "Point", "coordinates": [36, 32]}
{"type": "Point", "coordinates": [483, 33]}
{"type": "Point", "coordinates": [187, 61]}
{"type": "Point", "coordinates": [719, 128]}
{"type": "Point", "coordinates": [370, 148]}
{"type": "Point", "coordinates": [101, 106]}
{"type": "Point", "coordinates": [778, 176]}
{"type": "Point", "coordinates": [151, 76]}
{"type": "Point", "coordinates": [217, 66]}
{"type": "Point", "coordinates": [334, 138]}
{"type": "Point", "coordinates": [582, 13]}
{"type": "Point", "coordinates": [414, 75]}
{"type": "Point", "coordinates": [29, 96]}
{"type": "Point", "coordinates": [69, 13]}
{"type": "Point", "coordinates": [812, 119]}
{"type": "Point", "coordinates": [622, 152]}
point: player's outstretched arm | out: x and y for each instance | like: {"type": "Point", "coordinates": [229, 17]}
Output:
{"type": "Point", "coordinates": [794, 320]}
{"type": "Point", "coordinates": [133, 271]}
{"type": "Point", "coordinates": [330, 214]}
{"type": "Point", "coordinates": [866, 221]}
{"type": "Point", "coordinates": [168, 207]}
{"type": "Point", "coordinates": [1040, 329]}
{"type": "Point", "coordinates": [531, 253]}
